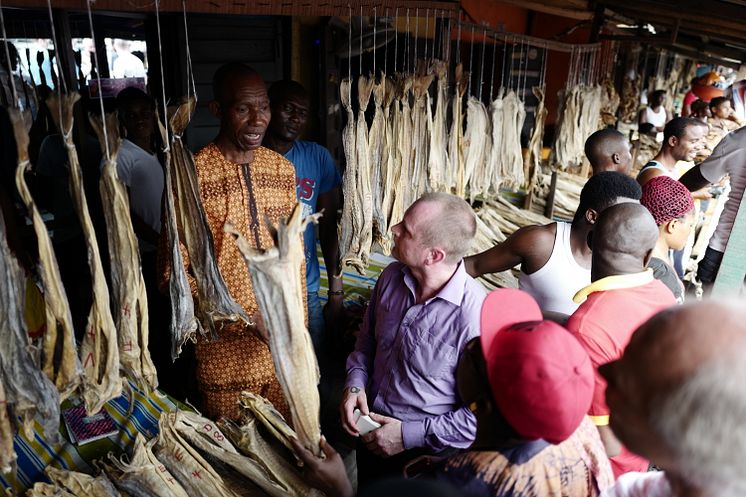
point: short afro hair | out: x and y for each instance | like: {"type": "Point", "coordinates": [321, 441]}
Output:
{"type": "Point", "coordinates": [677, 127]}
{"type": "Point", "coordinates": [284, 88]}
{"type": "Point", "coordinates": [129, 95]}
{"type": "Point", "coordinates": [227, 72]}
{"type": "Point", "coordinates": [603, 189]}
{"type": "Point", "coordinates": [717, 101]}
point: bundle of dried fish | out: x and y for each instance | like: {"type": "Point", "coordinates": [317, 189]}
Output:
{"type": "Point", "coordinates": [128, 286]}
{"type": "Point", "coordinates": [255, 406]}
{"type": "Point", "coordinates": [382, 236]}
{"type": "Point", "coordinates": [47, 490]}
{"type": "Point", "coordinates": [144, 475]}
{"type": "Point", "coordinates": [28, 391]}
{"type": "Point", "coordinates": [351, 215]}
{"type": "Point", "coordinates": [421, 128]}
{"type": "Point", "coordinates": [495, 158]}
{"type": "Point", "coordinates": [630, 104]}
{"type": "Point", "coordinates": [532, 158]}
{"type": "Point", "coordinates": [249, 441]}
{"type": "Point", "coordinates": [404, 144]}
{"type": "Point", "coordinates": [214, 302]}
{"type": "Point", "coordinates": [438, 156]}
{"type": "Point", "coordinates": [81, 484]}
{"type": "Point", "coordinates": [376, 143]}
{"type": "Point", "coordinates": [609, 103]}
{"type": "Point", "coordinates": [183, 461]}
{"type": "Point", "coordinates": [59, 337]}
{"type": "Point", "coordinates": [275, 275]}
{"type": "Point", "coordinates": [456, 174]}
{"type": "Point", "coordinates": [184, 324]}
{"type": "Point", "coordinates": [566, 197]}
{"type": "Point", "coordinates": [578, 118]}
{"type": "Point", "coordinates": [476, 144]}
{"type": "Point", "coordinates": [514, 114]}
{"type": "Point", "coordinates": [99, 351]}
{"type": "Point", "coordinates": [271, 472]}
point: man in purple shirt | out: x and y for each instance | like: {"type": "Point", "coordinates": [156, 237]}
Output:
{"type": "Point", "coordinates": [423, 310]}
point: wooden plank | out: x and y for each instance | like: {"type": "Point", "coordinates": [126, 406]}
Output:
{"type": "Point", "coordinates": [729, 281]}
{"type": "Point", "coordinates": [560, 9]}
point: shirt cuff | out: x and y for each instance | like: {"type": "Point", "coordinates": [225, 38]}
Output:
{"type": "Point", "coordinates": [356, 378]}
{"type": "Point", "coordinates": [413, 434]}
{"type": "Point", "coordinates": [600, 420]}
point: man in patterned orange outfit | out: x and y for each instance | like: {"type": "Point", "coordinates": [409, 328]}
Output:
{"type": "Point", "coordinates": [244, 183]}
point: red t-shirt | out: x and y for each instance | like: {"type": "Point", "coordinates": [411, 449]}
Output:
{"type": "Point", "coordinates": [604, 324]}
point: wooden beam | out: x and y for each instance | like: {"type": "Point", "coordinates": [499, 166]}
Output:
{"type": "Point", "coordinates": [554, 8]}
{"type": "Point", "coordinates": [252, 7]}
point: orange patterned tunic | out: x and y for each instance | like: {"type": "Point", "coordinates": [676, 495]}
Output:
{"type": "Point", "coordinates": [244, 195]}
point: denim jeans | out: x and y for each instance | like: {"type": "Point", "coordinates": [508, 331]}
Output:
{"type": "Point", "coordinates": [316, 325]}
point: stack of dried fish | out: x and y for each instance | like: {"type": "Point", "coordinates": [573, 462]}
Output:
{"type": "Point", "coordinates": [275, 275]}
{"type": "Point", "coordinates": [81, 484]}
{"type": "Point", "coordinates": [566, 196]}
{"type": "Point", "coordinates": [580, 107]}
{"type": "Point", "coordinates": [128, 286]}
{"type": "Point", "coordinates": [99, 351]}
{"type": "Point", "coordinates": [214, 302]}
{"type": "Point", "coordinates": [183, 321]}
{"type": "Point", "coordinates": [532, 157]}
{"type": "Point", "coordinates": [59, 352]}
{"type": "Point", "coordinates": [514, 115]}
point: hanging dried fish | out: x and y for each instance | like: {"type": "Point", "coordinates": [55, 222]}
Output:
{"type": "Point", "coordinates": [382, 237]}
{"type": "Point", "coordinates": [214, 302]}
{"type": "Point", "coordinates": [59, 337]}
{"type": "Point", "coordinates": [275, 275]}
{"type": "Point", "coordinates": [514, 115]}
{"type": "Point", "coordinates": [437, 161]}
{"type": "Point", "coordinates": [184, 324]}
{"type": "Point", "coordinates": [456, 170]}
{"type": "Point", "coordinates": [609, 104]}
{"type": "Point", "coordinates": [376, 143]}
{"type": "Point", "coordinates": [7, 432]}
{"type": "Point", "coordinates": [495, 158]}
{"type": "Point", "coordinates": [404, 144]}
{"type": "Point", "coordinates": [476, 143]}
{"type": "Point", "coordinates": [144, 475]}
{"type": "Point", "coordinates": [579, 114]}
{"type": "Point", "coordinates": [351, 220]}
{"type": "Point", "coordinates": [81, 484]}
{"type": "Point", "coordinates": [532, 158]}
{"type": "Point", "coordinates": [99, 351]}
{"type": "Point", "coordinates": [422, 121]}
{"type": "Point", "coordinates": [128, 286]}
{"type": "Point", "coordinates": [256, 406]}
{"type": "Point", "coordinates": [28, 391]}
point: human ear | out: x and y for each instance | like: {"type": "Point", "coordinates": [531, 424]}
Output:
{"type": "Point", "coordinates": [436, 255]}
{"type": "Point", "coordinates": [671, 226]}
{"type": "Point", "coordinates": [615, 158]}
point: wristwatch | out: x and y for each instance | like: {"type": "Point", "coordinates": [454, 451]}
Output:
{"type": "Point", "coordinates": [354, 390]}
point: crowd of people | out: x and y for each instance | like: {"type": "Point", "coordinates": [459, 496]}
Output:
{"type": "Point", "coordinates": [577, 383]}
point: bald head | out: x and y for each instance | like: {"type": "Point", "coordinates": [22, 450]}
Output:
{"type": "Point", "coordinates": [226, 77]}
{"type": "Point", "coordinates": [677, 395]}
{"type": "Point", "coordinates": [623, 239]}
{"type": "Point", "coordinates": [608, 150]}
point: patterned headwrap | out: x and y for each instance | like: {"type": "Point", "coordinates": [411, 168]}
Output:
{"type": "Point", "coordinates": [666, 199]}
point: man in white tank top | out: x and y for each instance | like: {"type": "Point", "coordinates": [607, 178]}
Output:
{"type": "Point", "coordinates": [555, 259]}
{"type": "Point", "coordinates": [654, 117]}
{"type": "Point", "coordinates": [683, 139]}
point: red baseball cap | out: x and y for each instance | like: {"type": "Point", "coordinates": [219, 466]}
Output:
{"type": "Point", "coordinates": [541, 376]}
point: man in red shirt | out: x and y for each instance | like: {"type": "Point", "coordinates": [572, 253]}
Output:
{"type": "Point", "coordinates": [623, 295]}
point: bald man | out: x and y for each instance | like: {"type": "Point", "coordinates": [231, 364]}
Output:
{"type": "Point", "coordinates": [677, 397]}
{"type": "Point", "coordinates": [623, 295]}
{"type": "Point", "coordinates": [608, 150]}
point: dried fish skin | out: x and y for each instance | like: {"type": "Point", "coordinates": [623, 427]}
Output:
{"type": "Point", "coordinates": [99, 351]}
{"type": "Point", "coordinates": [275, 275]}
{"type": "Point", "coordinates": [29, 392]}
{"type": "Point", "coordinates": [421, 128]}
{"type": "Point", "coordinates": [438, 156]}
{"type": "Point", "coordinates": [255, 406]}
{"type": "Point", "coordinates": [350, 216]}
{"type": "Point", "coordinates": [127, 283]}
{"type": "Point", "coordinates": [495, 159]}
{"type": "Point", "coordinates": [144, 475]}
{"type": "Point", "coordinates": [81, 484]}
{"type": "Point", "coordinates": [214, 302]}
{"type": "Point", "coordinates": [67, 375]}
{"type": "Point", "coordinates": [184, 324]}
{"type": "Point", "coordinates": [476, 139]}
{"type": "Point", "coordinates": [514, 114]}
{"type": "Point", "coordinates": [376, 144]}
{"type": "Point", "coordinates": [404, 146]}
{"type": "Point", "coordinates": [383, 236]}
{"type": "Point", "coordinates": [532, 160]}
{"type": "Point", "coordinates": [456, 171]}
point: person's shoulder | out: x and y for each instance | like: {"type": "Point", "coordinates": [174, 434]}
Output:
{"type": "Point", "coordinates": [267, 156]}
{"type": "Point", "coordinates": [208, 151]}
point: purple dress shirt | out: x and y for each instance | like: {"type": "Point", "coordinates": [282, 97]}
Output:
{"type": "Point", "coordinates": [406, 356]}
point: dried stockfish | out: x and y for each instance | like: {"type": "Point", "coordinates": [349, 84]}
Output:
{"type": "Point", "coordinates": [532, 158]}
{"type": "Point", "coordinates": [60, 360]}
{"type": "Point", "coordinates": [422, 121]}
{"type": "Point", "coordinates": [495, 158]}
{"type": "Point", "coordinates": [404, 144]}
{"type": "Point", "coordinates": [185, 463]}
{"type": "Point", "coordinates": [351, 219]}
{"type": "Point", "coordinates": [127, 284]}
{"type": "Point", "coordinates": [99, 351]}
{"type": "Point", "coordinates": [144, 475]}
{"type": "Point", "coordinates": [41, 489]}
{"type": "Point", "coordinates": [476, 141]}
{"type": "Point", "coordinates": [184, 324]}
{"type": "Point", "coordinates": [81, 484]}
{"type": "Point", "coordinates": [580, 107]}
{"type": "Point", "coordinates": [256, 406]}
{"type": "Point", "coordinates": [214, 302]}
{"type": "Point", "coordinates": [28, 391]}
{"type": "Point", "coordinates": [437, 161]}
{"type": "Point", "coordinates": [275, 274]}
{"type": "Point", "coordinates": [456, 174]}
{"type": "Point", "coordinates": [7, 432]}
{"type": "Point", "coordinates": [514, 114]}
{"type": "Point", "coordinates": [376, 143]}
{"type": "Point", "coordinates": [382, 237]}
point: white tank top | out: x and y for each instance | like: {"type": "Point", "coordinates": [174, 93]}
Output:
{"type": "Point", "coordinates": [656, 119]}
{"type": "Point", "coordinates": [555, 284]}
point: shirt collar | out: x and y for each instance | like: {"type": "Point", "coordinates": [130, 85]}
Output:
{"type": "Point", "coordinates": [453, 291]}
{"type": "Point", "coordinates": [615, 282]}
